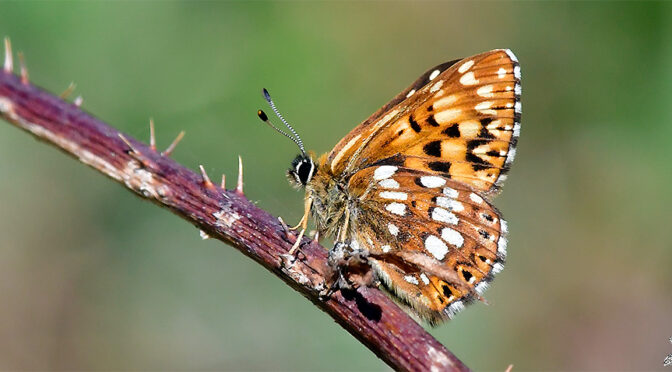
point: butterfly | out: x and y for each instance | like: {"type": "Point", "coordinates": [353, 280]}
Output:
{"type": "Point", "coordinates": [409, 190]}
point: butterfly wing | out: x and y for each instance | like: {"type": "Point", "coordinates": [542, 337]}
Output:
{"type": "Point", "coordinates": [433, 241]}
{"type": "Point", "coordinates": [462, 122]}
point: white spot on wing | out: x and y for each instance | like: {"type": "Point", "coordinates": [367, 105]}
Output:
{"type": "Point", "coordinates": [445, 101]}
{"type": "Point", "coordinates": [497, 268]}
{"type": "Point", "coordinates": [455, 308]}
{"type": "Point", "coordinates": [481, 287]}
{"type": "Point", "coordinates": [436, 247]}
{"type": "Point", "coordinates": [384, 171]}
{"type": "Point", "coordinates": [449, 203]}
{"type": "Point", "coordinates": [501, 73]}
{"type": "Point", "coordinates": [475, 198]}
{"type": "Point", "coordinates": [394, 230]}
{"type": "Point", "coordinates": [411, 279]}
{"type": "Point", "coordinates": [432, 181]}
{"type": "Point", "coordinates": [434, 74]}
{"type": "Point", "coordinates": [396, 208]}
{"type": "Point", "coordinates": [442, 215]}
{"type": "Point", "coordinates": [386, 248]}
{"type": "Point", "coordinates": [436, 86]}
{"type": "Point", "coordinates": [447, 115]}
{"type": "Point", "coordinates": [485, 91]}
{"type": "Point", "coordinates": [511, 156]}
{"type": "Point", "coordinates": [389, 183]}
{"type": "Point", "coordinates": [466, 66]}
{"type": "Point", "coordinates": [468, 79]}
{"type": "Point", "coordinates": [395, 195]}
{"type": "Point", "coordinates": [451, 192]}
{"type": "Point", "coordinates": [424, 278]}
{"type": "Point", "coordinates": [452, 237]}
{"type": "Point", "coordinates": [410, 93]}
{"type": "Point", "coordinates": [484, 108]}
{"type": "Point", "coordinates": [501, 246]}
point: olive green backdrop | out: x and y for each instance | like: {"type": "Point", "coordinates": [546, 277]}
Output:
{"type": "Point", "coordinates": [91, 277]}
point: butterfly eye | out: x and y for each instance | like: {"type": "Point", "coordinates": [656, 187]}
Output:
{"type": "Point", "coordinates": [305, 171]}
{"type": "Point", "coordinates": [302, 170]}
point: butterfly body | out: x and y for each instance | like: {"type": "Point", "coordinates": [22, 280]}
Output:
{"type": "Point", "coordinates": [410, 187]}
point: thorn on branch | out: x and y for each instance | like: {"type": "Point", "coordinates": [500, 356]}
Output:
{"type": "Point", "coordinates": [288, 231]}
{"type": "Point", "coordinates": [128, 143]}
{"type": "Point", "coordinates": [239, 186]}
{"type": "Point", "coordinates": [24, 70]}
{"type": "Point", "coordinates": [206, 180]}
{"type": "Point", "coordinates": [152, 138]}
{"type": "Point", "coordinates": [9, 58]}
{"type": "Point", "coordinates": [68, 91]}
{"type": "Point", "coordinates": [172, 146]}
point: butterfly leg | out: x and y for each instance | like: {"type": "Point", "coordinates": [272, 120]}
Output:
{"type": "Point", "coordinates": [303, 223]}
{"type": "Point", "coordinates": [297, 243]}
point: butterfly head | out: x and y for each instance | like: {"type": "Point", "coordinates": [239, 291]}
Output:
{"type": "Point", "coordinates": [303, 167]}
{"type": "Point", "coordinates": [302, 170]}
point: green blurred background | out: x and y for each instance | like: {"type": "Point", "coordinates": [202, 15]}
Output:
{"type": "Point", "coordinates": [91, 277]}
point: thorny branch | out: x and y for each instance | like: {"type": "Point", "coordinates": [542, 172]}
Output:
{"type": "Point", "coordinates": [227, 215]}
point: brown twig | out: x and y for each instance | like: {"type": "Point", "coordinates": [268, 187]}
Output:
{"type": "Point", "coordinates": [227, 215]}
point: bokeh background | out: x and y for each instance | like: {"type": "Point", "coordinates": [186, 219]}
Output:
{"type": "Point", "coordinates": [91, 277]}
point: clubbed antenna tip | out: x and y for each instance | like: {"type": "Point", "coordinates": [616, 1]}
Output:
{"type": "Point", "coordinates": [262, 115]}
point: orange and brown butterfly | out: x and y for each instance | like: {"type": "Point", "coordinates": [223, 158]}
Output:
{"type": "Point", "coordinates": [409, 190]}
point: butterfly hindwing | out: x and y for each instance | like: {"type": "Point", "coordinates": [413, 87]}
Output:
{"type": "Point", "coordinates": [434, 242]}
{"type": "Point", "coordinates": [463, 123]}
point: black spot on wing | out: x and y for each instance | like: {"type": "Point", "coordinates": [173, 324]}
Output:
{"type": "Point", "coordinates": [466, 274]}
{"type": "Point", "coordinates": [414, 124]}
{"type": "Point", "coordinates": [431, 121]}
{"type": "Point", "coordinates": [446, 291]}
{"type": "Point", "coordinates": [486, 121]}
{"type": "Point", "coordinates": [433, 148]}
{"type": "Point", "coordinates": [476, 162]}
{"type": "Point", "coordinates": [452, 131]}
{"type": "Point", "coordinates": [439, 166]}
{"type": "Point", "coordinates": [484, 133]}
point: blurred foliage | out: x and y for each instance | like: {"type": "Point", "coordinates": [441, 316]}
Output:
{"type": "Point", "coordinates": [92, 278]}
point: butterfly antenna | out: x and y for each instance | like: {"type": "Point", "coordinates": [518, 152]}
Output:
{"type": "Point", "coordinates": [296, 137]}
{"type": "Point", "coordinates": [264, 118]}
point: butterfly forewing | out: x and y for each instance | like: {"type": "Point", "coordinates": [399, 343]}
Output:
{"type": "Point", "coordinates": [434, 242]}
{"type": "Point", "coordinates": [463, 124]}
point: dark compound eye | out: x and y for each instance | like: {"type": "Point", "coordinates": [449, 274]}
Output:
{"type": "Point", "coordinates": [305, 171]}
